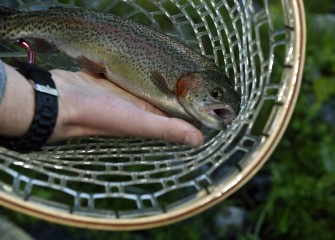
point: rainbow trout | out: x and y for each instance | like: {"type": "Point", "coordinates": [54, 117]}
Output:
{"type": "Point", "coordinates": [144, 62]}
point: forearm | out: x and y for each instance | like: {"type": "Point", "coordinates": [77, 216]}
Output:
{"type": "Point", "coordinates": [17, 105]}
{"type": "Point", "coordinates": [89, 105]}
{"type": "Point", "coordinates": [3, 80]}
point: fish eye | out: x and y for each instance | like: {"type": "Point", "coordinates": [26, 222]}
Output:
{"type": "Point", "coordinates": [217, 93]}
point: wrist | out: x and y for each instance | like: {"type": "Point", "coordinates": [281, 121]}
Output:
{"type": "Point", "coordinates": [17, 106]}
{"type": "Point", "coordinates": [45, 110]}
{"type": "Point", "coordinates": [67, 112]}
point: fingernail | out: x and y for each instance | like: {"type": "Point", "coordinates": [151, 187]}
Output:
{"type": "Point", "coordinates": [192, 139]}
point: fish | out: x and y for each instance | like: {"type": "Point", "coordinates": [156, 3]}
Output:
{"type": "Point", "coordinates": [145, 62]}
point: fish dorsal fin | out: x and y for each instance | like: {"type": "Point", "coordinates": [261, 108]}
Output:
{"type": "Point", "coordinates": [90, 65]}
{"type": "Point", "coordinates": [160, 82]}
{"type": "Point", "coordinates": [42, 46]}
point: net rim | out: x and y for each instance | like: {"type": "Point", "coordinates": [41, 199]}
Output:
{"type": "Point", "coordinates": [220, 193]}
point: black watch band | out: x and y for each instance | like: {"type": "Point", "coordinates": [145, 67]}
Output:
{"type": "Point", "coordinates": [46, 110]}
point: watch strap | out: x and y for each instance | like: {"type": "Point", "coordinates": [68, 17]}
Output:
{"type": "Point", "coordinates": [46, 111]}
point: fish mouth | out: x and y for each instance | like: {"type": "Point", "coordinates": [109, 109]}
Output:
{"type": "Point", "coordinates": [223, 113]}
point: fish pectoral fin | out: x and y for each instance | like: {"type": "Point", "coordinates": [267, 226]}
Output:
{"type": "Point", "coordinates": [90, 65]}
{"type": "Point", "coordinates": [42, 46]}
{"type": "Point", "coordinates": [160, 82]}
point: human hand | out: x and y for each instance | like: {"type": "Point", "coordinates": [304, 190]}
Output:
{"type": "Point", "coordinates": [92, 106]}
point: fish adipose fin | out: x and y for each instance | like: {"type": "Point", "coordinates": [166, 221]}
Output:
{"type": "Point", "coordinates": [90, 65]}
{"type": "Point", "coordinates": [159, 81]}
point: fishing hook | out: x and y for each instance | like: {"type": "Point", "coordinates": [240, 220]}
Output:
{"type": "Point", "coordinates": [26, 45]}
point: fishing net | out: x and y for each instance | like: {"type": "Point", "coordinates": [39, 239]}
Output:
{"type": "Point", "coordinates": [134, 183]}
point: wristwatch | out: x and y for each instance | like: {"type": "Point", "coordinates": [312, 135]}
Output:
{"type": "Point", "coordinates": [46, 110]}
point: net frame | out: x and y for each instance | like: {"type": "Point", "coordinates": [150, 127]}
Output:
{"type": "Point", "coordinates": [197, 178]}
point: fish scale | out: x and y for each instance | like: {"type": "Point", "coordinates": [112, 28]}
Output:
{"type": "Point", "coordinates": [145, 62]}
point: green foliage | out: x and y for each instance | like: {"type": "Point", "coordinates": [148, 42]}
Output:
{"type": "Point", "coordinates": [324, 88]}
{"type": "Point", "coordinates": [316, 7]}
{"type": "Point", "coordinates": [301, 204]}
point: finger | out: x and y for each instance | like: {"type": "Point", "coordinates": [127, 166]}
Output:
{"type": "Point", "coordinates": [149, 108]}
{"type": "Point", "coordinates": [174, 130]}
{"type": "Point", "coordinates": [147, 124]}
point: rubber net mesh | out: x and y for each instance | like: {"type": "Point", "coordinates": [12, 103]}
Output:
{"type": "Point", "coordinates": [133, 177]}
